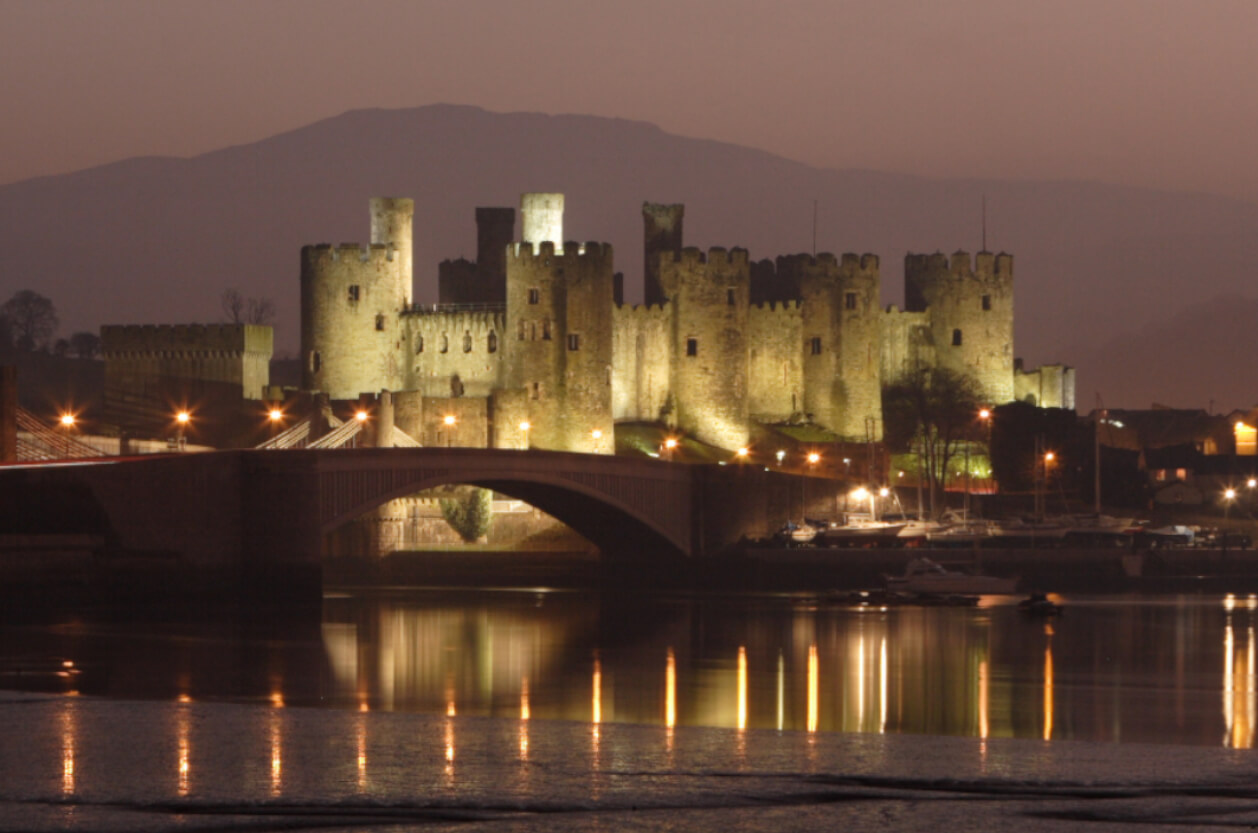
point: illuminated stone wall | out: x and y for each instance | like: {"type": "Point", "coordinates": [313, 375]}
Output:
{"type": "Point", "coordinates": [559, 342]}
{"type": "Point", "coordinates": [136, 357]}
{"type": "Point", "coordinates": [641, 362]}
{"type": "Point", "coordinates": [1048, 386]}
{"type": "Point", "coordinates": [775, 371]}
{"type": "Point", "coordinates": [662, 235]}
{"type": "Point", "coordinates": [907, 343]}
{"type": "Point", "coordinates": [453, 353]}
{"type": "Point", "coordinates": [709, 295]}
{"type": "Point", "coordinates": [971, 314]}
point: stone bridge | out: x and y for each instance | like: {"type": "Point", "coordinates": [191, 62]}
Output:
{"type": "Point", "coordinates": [261, 516]}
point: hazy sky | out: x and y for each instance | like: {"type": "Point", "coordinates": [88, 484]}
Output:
{"type": "Point", "coordinates": [1148, 92]}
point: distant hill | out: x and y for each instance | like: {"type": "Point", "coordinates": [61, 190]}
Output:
{"type": "Point", "coordinates": [1199, 357]}
{"type": "Point", "coordinates": [158, 239]}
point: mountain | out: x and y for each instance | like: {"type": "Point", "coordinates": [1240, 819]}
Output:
{"type": "Point", "coordinates": [159, 239]}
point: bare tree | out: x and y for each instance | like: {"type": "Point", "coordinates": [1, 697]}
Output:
{"type": "Point", "coordinates": [242, 310]}
{"type": "Point", "coordinates": [233, 304]}
{"type": "Point", "coordinates": [260, 311]}
{"type": "Point", "coordinates": [32, 319]}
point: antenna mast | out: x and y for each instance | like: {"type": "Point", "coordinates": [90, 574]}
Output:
{"type": "Point", "coordinates": [984, 223]}
{"type": "Point", "coordinates": [814, 228]}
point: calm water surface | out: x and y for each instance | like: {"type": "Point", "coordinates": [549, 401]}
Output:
{"type": "Point", "coordinates": [405, 708]}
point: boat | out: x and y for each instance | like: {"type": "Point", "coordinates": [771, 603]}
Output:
{"type": "Point", "coordinates": [922, 575]}
{"type": "Point", "coordinates": [792, 533]}
{"type": "Point", "coordinates": [858, 532]}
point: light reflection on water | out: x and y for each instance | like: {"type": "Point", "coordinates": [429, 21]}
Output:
{"type": "Point", "coordinates": [1170, 669]}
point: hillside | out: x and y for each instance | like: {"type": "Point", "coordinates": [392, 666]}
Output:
{"type": "Point", "coordinates": [158, 239]}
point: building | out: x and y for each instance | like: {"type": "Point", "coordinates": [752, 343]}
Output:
{"type": "Point", "coordinates": [530, 346]}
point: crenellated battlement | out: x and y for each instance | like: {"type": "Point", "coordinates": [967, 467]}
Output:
{"type": "Point", "coordinates": [642, 310]}
{"type": "Point", "coordinates": [185, 339]}
{"type": "Point", "coordinates": [985, 265]}
{"type": "Point", "coordinates": [776, 307]}
{"type": "Point", "coordinates": [474, 321]}
{"type": "Point", "coordinates": [325, 253]}
{"type": "Point", "coordinates": [716, 257]}
{"type": "Point", "coordinates": [590, 251]}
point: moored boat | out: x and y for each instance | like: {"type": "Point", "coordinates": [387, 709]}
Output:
{"type": "Point", "coordinates": [922, 575]}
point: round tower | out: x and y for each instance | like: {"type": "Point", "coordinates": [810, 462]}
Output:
{"type": "Point", "coordinates": [392, 224]}
{"type": "Point", "coordinates": [710, 294]}
{"type": "Point", "coordinates": [662, 232]}
{"type": "Point", "coordinates": [971, 314]}
{"type": "Point", "coordinates": [350, 338]}
{"type": "Point", "coordinates": [541, 219]}
{"type": "Point", "coordinates": [559, 342]}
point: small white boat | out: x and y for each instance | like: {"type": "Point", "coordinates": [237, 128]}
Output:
{"type": "Point", "coordinates": [861, 531]}
{"type": "Point", "coordinates": [922, 575]}
{"type": "Point", "coordinates": [793, 533]}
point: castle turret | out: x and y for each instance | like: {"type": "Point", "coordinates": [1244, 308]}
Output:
{"type": "Point", "coordinates": [559, 341]}
{"type": "Point", "coordinates": [709, 293]}
{"type": "Point", "coordinates": [351, 341]}
{"type": "Point", "coordinates": [495, 229]}
{"type": "Point", "coordinates": [841, 327]}
{"type": "Point", "coordinates": [662, 233]}
{"type": "Point", "coordinates": [541, 217]}
{"type": "Point", "coordinates": [392, 224]}
{"type": "Point", "coordinates": [971, 314]}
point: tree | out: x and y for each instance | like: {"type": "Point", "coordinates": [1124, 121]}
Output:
{"type": "Point", "coordinates": [242, 310]}
{"type": "Point", "coordinates": [469, 512]}
{"type": "Point", "coordinates": [32, 319]}
{"type": "Point", "coordinates": [932, 412]}
{"type": "Point", "coordinates": [85, 345]}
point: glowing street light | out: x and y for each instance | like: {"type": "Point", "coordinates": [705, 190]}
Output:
{"type": "Point", "coordinates": [596, 434]}
{"type": "Point", "coordinates": [1251, 482]}
{"type": "Point", "coordinates": [361, 416]}
{"type": "Point", "coordinates": [183, 418]}
{"type": "Point", "coordinates": [449, 419]}
{"type": "Point", "coordinates": [742, 453]}
{"type": "Point", "coordinates": [525, 426]}
{"type": "Point", "coordinates": [1049, 457]}
{"type": "Point", "coordinates": [1229, 495]}
{"type": "Point", "coordinates": [67, 420]}
{"type": "Point", "coordinates": [275, 415]}
{"type": "Point", "coordinates": [813, 458]}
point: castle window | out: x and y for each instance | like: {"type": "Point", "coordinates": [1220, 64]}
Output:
{"type": "Point", "coordinates": [956, 338]}
{"type": "Point", "coordinates": [692, 347]}
{"type": "Point", "coordinates": [380, 322]}
{"type": "Point", "coordinates": [353, 293]}
{"type": "Point", "coordinates": [535, 295]}
{"type": "Point", "coordinates": [814, 345]}
{"type": "Point", "coordinates": [523, 329]}
{"type": "Point", "coordinates": [987, 303]}
{"type": "Point", "coordinates": [849, 300]}
{"type": "Point", "coordinates": [545, 329]}
{"type": "Point", "coordinates": [445, 343]}
{"type": "Point", "coordinates": [730, 297]}
{"type": "Point", "coordinates": [574, 341]}
{"type": "Point", "coordinates": [492, 342]}
{"type": "Point", "coordinates": [315, 361]}
{"type": "Point", "coordinates": [537, 390]}
{"type": "Point", "coordinates": [467, 342]}
{"type": "Point", "coordinates": [419, 344]}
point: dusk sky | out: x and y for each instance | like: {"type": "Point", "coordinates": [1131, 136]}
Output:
{"type": "Point", "coordinates": [1139, 92]}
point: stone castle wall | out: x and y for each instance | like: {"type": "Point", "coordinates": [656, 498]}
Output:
{"type": "Point", "coordinates": [559, 348]}
{"type": "Point", "coordinates": [971, 314]}
{"type": "Point", "coordinates": [907, 343]}
{"type": "Point", "coordinates": [453, 353]}
{"type": "Point", "coordinates": [1048, 386]}
{"type": "Point", "coordinates": [775, 369]}
{"type": "Point", "coordinates": [641, 362]}
{"type": "Point", "coordinates": [709, 293]}
{"type": "Point", "coordinates": [136, 357]}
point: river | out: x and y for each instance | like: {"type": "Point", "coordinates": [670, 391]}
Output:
{"type": "Point", "coordinates": [544, 710]}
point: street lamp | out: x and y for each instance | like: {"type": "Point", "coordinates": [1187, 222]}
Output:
{"type": "Point", "coordinates": [67, 421]}
{"type": "Point", "coordinates": [670, 445]}
{"type": "Point", "coordinates": [1229, 495]}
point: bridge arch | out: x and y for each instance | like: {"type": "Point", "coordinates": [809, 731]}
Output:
{"type": "Point", "coordinates": [621, 506]}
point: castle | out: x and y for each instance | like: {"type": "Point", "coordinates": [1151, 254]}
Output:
{"type": "Point", "coordinates": [533, 346]}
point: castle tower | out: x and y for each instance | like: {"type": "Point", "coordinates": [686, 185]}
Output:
{"type": "Point", "coordinates": [392, 224]}
{"type": "Point", "coordinates": [559, 342]}
{"type": "Point", "coordinates": [662, 232]}
{"type": "Point", "coordinates": [840, 305]}
{"type": "Point", "coordinates": [708, 378]}
{"type": "Point", "coordinates": [971, 314]}
{"type": "Point", "coordinates": [351, 339]}
{"type": "Point", "coordinates": [495, 229]}
{"type": "Point", "coordinates": [541, 217]}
